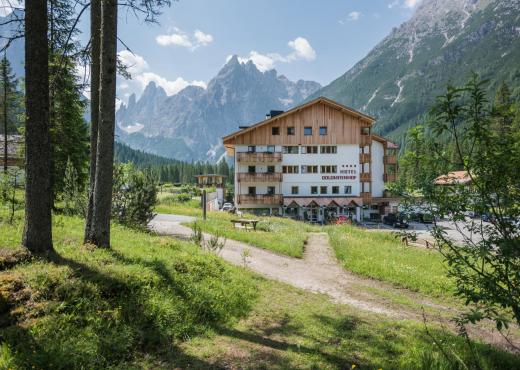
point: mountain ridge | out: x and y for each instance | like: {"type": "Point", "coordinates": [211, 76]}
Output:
{"type": "Point", "coordinates": [189, 124]}
{"type": "Point", "coordinates": [443, 41]}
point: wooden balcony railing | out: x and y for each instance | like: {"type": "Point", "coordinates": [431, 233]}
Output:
{"type": "Point", "coordinates": [263, 157]}
{"type": "Point", "coordinates": [274, 199]}
{"type": "Point", "coordinates": [390, 177]}
{"type": "Point", "coordinates": [367, 197]}
{"type": "Point", "coordinates": [365, 140]}
{"type": "Point", "coordinates": [390, 159]}
{"type": "Point", "coordinates": [365, 177]}
{"type": "Point", "coordinates": [260, 177]}
{"type": "Point", "coordinates": [364, 158]}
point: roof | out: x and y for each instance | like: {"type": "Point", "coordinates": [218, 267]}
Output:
{"type": "Point", "coordinates": [318, 100]}
{"type": "Point", "coordinates": [389, 144]}
{"type": "Point", "coordinates": [454, 178]}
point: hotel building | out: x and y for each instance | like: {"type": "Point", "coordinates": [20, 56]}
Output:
{"type": "Point", "coordinates": [313, 162]}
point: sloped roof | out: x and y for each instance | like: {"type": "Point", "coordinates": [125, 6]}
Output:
{"type": "Point", "coordinates": [454, 178]}
{"type": "Point", "coordinates": [318, 100]}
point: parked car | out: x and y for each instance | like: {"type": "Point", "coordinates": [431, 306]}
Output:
{"type": "Point", "coordinates": [396, 220]}
{"type": "Point", "coordinates": [227, 207]}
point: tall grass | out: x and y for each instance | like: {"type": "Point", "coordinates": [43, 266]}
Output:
{"type": "Point", "coordinates": [381, 256]}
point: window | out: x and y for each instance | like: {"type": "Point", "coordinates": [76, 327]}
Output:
{"type": "Point", "coordinates": [251, 169]}
{"type": "Point", "coordinates": [251, 190]}
{"type": "Point", "coordinates": [307, 131]}
{"type": "Point", "coordinates": [270, 190]}
{"type": "Point", "coordinates": [309, 169]}
{"type": "Point", "coordinates": [270, 169]}
{"type": "Point", "coordinates": [335, 190]}
{"type": "Point", "coordinates": [348, 189]}
{"type": "Point", "coordinates": [314, 190]}
{"type": "Point", "coordinates": [323, 130]}
{"type": "Point", "coordinates": [270, 149]}
{"type": "Point", "coordinates": [329, 169]}
{"type": "Point", "coordinates": [290, 169]}
{"type": "Point", "coordinates": [290, 149]}
{"type": "Point", "coordinates": [365, 131]}
{"type": "Point", "coordinates": [291, 131]}
{"type": "Point", "coordinates": [251, 149]}
{"type": "Point", "coordinates": [275, 130]}
{"type": "Point", "coordinates": [328, 149]}
{"type": "Point", "coordinates": [323, 190]}
{"type": "Point", "coordinates": [309, 149]}
{"type": "Point", "coordinates": [294, 190]}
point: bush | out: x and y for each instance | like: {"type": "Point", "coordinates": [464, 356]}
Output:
{"type": "Point", "coordinates": [134, 196]}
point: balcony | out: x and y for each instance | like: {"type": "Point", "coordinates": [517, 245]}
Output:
{"type": "Point", "coordinates": [268, 199]}
{"type": "Point", "coordinates": [390, 159]}
{"type": "Point", "coordinates": [260, 157]}
{"type": "Point", "coordinates": [260, 177]}
{"type": "Point", "coordinates": [365, 177]}
{"type": "Point", "coordinates": [367, 197]}
{"type": "Point", "coordinates": [390, 177]}
{"type": "Point", "coordinates": [364, 158]}
{"type": "Point", "coordinates": [365, 140]}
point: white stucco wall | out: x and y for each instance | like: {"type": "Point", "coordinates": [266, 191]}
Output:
{"type": "Point", "coordinates": [378, 169]}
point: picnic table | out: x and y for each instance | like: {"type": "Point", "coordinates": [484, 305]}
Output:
{"type": "Point", "coordinates": [245, 223]}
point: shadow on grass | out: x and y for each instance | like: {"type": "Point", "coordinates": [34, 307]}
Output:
{"type": "Point", "coordinates": [147, 336]}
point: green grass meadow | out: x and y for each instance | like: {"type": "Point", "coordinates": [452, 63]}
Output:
{"type": "Point", "coordinates": [380, 255]}
{"type": "Point", "coordinates": [151, 302]}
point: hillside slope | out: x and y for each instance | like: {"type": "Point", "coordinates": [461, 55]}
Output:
{"type": "Point", "coordinates": [445, 40]}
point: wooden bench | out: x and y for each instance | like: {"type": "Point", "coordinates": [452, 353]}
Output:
{"type": "Point", "coordinates": [245, 224]}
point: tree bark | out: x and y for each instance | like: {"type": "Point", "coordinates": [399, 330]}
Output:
{"type": "Point", "coordinates": [5, 78]}
{"type": "Point", "coordinates": [100, 234]}
{"type": "Point", "coordinates": [95, 43]}
{"type": "Point", "coordinates": [37, 235]}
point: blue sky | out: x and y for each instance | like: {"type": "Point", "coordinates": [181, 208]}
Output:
{"type": "Point", "coordinates": [302, 39]}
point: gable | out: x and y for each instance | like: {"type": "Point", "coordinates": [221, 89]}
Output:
{"type": "Point", "coordinates": [343, 126]}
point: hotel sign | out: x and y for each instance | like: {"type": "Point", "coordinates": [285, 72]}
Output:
{"type": "Point", "coordinates": [338, 177]}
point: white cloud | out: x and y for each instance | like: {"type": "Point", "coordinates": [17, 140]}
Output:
{"type": "Point", "coordinates": [8, 6]}
{"type": "Point", "coordinates": [171, 87]}
{"type": "Point", "coordinates": [203, 38]}
{"type": "Point", "coordinates": [134, 63]}
{"type": "Point", "coordinates": [404, 3]}
{"type": "Point", "coordinates": [181, 38]}
{"type": "Point", "coordinates": [302, 50]}
{"type": "Point", "coordinates": [142, 76]}
{"type": "Point", "coordinates": [411, 3]}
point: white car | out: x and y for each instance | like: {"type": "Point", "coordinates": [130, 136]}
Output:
{"type": "Point", "coordinates": [227, 206]}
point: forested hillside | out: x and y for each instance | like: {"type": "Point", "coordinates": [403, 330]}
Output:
{"type": "Point", "coordinates": [170, 170]}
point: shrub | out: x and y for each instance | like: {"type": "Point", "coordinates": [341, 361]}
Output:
{"type": "Point", "coordinates": [134, 196]}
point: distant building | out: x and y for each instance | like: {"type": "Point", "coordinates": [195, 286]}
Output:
{"type": "Point", "coordinates": [454, 178]}
{"type": "Point", "coordinates": [15, 145]}
{"type": "Point", "coordinates": [315, 161]}
{"type": "Point", "coordinates": [213, 180]}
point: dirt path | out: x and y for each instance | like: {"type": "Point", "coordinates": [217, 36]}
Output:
{"type": "Point", "coordinates": [319, 271]}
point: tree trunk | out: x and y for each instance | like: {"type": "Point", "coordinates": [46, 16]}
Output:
{"type": "Point", "coordinates": [5, 78]}
{"type": "Point", "coordinates": [37, 235]}
{"type": "Point", "coordinates": [105, 143]}
{"type": "Point", "coordinates": [95, 43]}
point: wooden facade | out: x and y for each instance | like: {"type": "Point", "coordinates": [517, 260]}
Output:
{"type": "Point", "coordinates": [344, 126]}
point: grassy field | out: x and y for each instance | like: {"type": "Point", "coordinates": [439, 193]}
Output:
{"type": "Point", "coordinates": [89, 308]}
{"type": "Point", "coordinates": [381, 256]}
{"type": "Point", "coordinates": [277, 234]}
{"type": "Point", "coordinates": [153, 302]}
